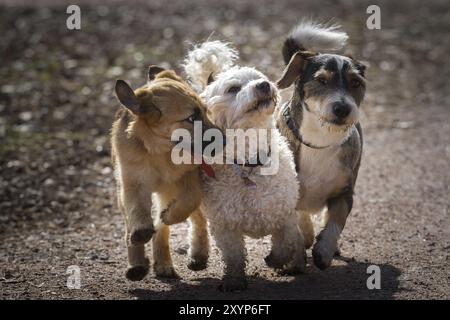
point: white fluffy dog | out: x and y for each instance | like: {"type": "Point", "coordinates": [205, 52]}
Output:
{"type": "Point", "coordinates": [241, 200]}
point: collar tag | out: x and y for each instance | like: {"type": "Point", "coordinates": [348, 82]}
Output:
{"type": "Point", "coordinates": [249, 183]}
{"type": "Point", "coordinates": [244, 175]}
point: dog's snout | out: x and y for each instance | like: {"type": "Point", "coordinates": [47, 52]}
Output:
{"type": "Point", "coordinates": [341, 109]}
{"type": "Point", "coordinates": [263, 87]}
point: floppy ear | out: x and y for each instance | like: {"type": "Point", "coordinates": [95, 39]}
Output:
{"type": "Point", "coordinates": [153, 71]}
{"type": "Point", "coordinates": [361, 67]}
{"type": "Point", "coordinates": [294, 68]}
{"type": "Point", "coordinates": [127, 97]}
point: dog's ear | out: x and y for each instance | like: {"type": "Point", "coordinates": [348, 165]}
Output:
{"type": "Point", "coordinates": [361, 67]}
{"type": "Point", "coordinates": [294, 68]}
{"type": "Point", "coordinates": [163, 73]}
{"type": "Point", "coordinates": [153, 71]}
{"type": "Point", "coordinates": [128, 99]}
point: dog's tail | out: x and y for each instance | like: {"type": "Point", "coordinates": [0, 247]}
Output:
{"type": "Point", "coordinates": [313, 36]}
{"type": "Point", "coordinates": [205, 61]}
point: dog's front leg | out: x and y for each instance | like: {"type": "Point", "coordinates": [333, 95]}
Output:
{"type": "Point", "coordinates": [135, 205]}
{"type": "Point", "coordinates": [138, 263]}
{"type": "Point", "coordinates": [232, 246]}
{"type": "Point", "coordinates": [288, 249]}
{"type": "Point", "coordinates": [136, 200]}
{"type": "Point", "coordinates": [186, 194]}
{"type": "Point", "coordinates": [326, 245]}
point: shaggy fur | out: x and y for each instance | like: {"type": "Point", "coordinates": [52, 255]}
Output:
{"type": "Point", "coordinates": [321, 122]}
{"type": "Point", "coordinates": [234, 101]}
{"type": "Point", "coordinates": [146, 176]}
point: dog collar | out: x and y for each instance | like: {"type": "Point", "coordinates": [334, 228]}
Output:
{"type": "Point", "coordinates": [244, 175]}
{"type": "Point", "coordinates": [253, 165]}
{"type": "Point", "coordinates": [209, 171]}
{"type": "Point", "coordinates": [291, 125]}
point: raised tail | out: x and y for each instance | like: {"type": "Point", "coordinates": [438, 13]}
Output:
{"type": "Point", "coordinates": [205, 61]}
{"type": "Point", "coordinates": [313, 36]}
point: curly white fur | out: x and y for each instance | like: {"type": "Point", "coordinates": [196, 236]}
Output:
{"type": "Point", "coordinates": [319, 37]}
{"type": "Point", "coordinates": [208, 60]}
{"type": "Point", "coordinates": [233, 209]}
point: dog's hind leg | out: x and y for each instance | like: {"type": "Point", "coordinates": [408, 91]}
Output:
{"type": "Point", "coordinates": [199, 241]}
{"type": "Point", "coordinates": [326, 245]}
{"type": "Point", "coordinates": [163, 266]}
{"type": "Point", "coordinates": [307, 228]}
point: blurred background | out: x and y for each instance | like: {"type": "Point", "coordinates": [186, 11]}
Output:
{"type": "Point", "coordinates": [57, 105]}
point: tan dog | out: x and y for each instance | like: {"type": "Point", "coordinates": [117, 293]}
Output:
{"type": "Point", "coordinates": [147, 179]}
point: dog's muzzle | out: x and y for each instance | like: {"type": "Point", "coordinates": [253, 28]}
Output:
{"type": "Point", "coordinates": [265, 96]}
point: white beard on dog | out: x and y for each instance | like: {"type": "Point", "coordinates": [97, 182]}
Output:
{"type": "Point", "coordinates": [314, 131]}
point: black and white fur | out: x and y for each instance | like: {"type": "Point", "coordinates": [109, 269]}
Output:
{"type": "Point", "coordinates": [321, 122]}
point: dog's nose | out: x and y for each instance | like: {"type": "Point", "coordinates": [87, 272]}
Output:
{"type": "Point", "coordinates": [341, 110]}
{"type": "Point", "coordinates": [263, 87]}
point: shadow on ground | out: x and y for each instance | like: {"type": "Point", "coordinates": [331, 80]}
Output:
{"type": "Point", "coordinates": [339, 282]}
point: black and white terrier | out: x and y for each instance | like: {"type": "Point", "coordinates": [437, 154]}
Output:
{"type": "Point", "coordinates": [321, 122]}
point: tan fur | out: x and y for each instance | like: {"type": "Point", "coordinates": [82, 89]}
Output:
{"type": "Point", "coordinates": [150, 187]}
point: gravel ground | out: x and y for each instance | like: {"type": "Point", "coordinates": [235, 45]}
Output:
{"type": "Point", "coordinates": [56, 108]}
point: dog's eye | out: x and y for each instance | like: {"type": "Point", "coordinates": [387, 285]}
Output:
{"type": "Point", "coordinates": [322, 80]}
{"type": "Point", "coordinates": [234, 89]}
{"type": "Point", "coordinates": [191, 118]}
{"type": "Point", "coordinates": [356, 83]}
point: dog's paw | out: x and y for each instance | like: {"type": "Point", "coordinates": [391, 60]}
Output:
{"type": "Point", "coordinates": [167, 217]}
{"type": "Point", "coordinates": [137, 273]}
{"type": "Point", "coordinates": [294, 268]}
{"type": "Point", "coordinates": [141, 235]}
{"type": "Point", "coordinates": [198, 263]}
{"type": "Point", "coordinates": [230, 284]}
{"type": "Point", "coordinates": [167, 272]}
{"type": "Point", "coordinates": [275, 261]}
{"type": "Point", "coordinates": [323, 253]}
{"type": "Point", "coordinates": [337, 253]}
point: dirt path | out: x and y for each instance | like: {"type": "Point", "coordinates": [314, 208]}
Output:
{"type": "Point", "coordinates": [56, 106]}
